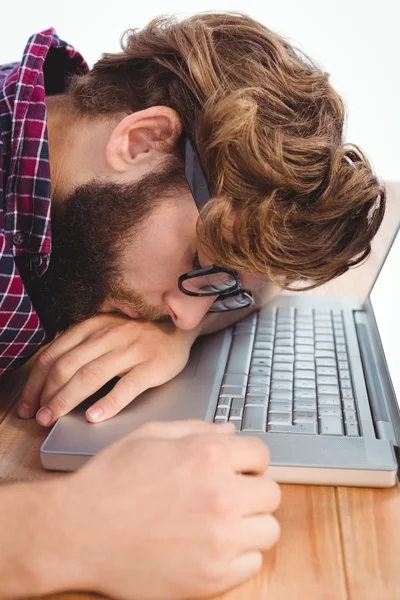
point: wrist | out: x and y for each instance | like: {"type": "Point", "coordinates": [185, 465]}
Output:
{"type": "Point", "coordinates": [43, 556]}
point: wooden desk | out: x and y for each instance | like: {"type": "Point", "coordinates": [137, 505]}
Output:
{"type": "Point", "coordinates": [336, 544]}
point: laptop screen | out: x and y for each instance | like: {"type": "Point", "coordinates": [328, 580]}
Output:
{"type": "Point", "coordinates": [385, 300]}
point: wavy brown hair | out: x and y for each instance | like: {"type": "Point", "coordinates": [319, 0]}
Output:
{"type": "Point", "coordinates": [268, 126]}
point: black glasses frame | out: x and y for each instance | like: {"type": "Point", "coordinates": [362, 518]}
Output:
{"type": "Point", "coordinates": [198, 185]}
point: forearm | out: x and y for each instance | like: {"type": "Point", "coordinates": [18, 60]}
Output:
{"type": "Point", "coordinates": [34, 552]}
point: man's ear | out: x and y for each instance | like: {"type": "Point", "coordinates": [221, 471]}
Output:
{"type": "Point", "coordinates": [142, 139]}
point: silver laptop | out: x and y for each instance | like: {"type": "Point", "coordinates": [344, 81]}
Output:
{"type": "Point", "coordinates": [315, 379]}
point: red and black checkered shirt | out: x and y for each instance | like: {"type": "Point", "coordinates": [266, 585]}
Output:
{"type": "Point", "coordinates": [25, 188]}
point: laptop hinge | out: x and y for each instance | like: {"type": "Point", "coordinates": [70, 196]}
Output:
{"type": "Point", "coordinates": [375, 387]}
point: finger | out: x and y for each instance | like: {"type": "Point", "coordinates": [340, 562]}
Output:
{"type": "Point", "coordinates": [179, 429]}
{"type": "Point", "coordinates": [29, 399]}
{"type": "Point", "coordinates": [259, 533]}
{"type": "Point", "coordinates": [69, 364]}
{"type": "Point", "coordinates": [257, 495]}
{"type": "Point", "coordinates": [247, 454]}
{"type": "Point", "coordinates": [86, 381]}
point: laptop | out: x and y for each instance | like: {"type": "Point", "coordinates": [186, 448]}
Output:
{"type": "Point", "coordinates": [315, 378]}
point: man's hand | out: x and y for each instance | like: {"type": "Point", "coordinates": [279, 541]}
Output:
{"type": "Point", "coordinates": [172, 511]}
{"type": "Point", "coordinates": [84, 358]}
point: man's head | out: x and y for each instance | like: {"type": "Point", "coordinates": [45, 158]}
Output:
{"type": "Point", "coordinates": [290, 202]}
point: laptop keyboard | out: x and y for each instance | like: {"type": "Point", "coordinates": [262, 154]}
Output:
{"type": "Point", "coordinates": [288, 372]}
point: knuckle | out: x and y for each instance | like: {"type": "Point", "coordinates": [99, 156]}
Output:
{"type": "Point", "coordinates": [259, 447]}
{"type": "Point", "coordinates": [210, 451]}
{"type": "Point", "coordinates": [59, 404]}
{"type": "Point", "coordinates": [92, 374]}
{"type": "Point", "coordinates": [220, 503]}
{"type": "Point", "coordinates": [45, 359]}
{"type": "Point", "coordinates": [274, 531]}
{"type": "Point", "coordinates": [63, 369]}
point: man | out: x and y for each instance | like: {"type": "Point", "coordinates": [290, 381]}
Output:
{"type": "Point", "coordinates": [216, 115]}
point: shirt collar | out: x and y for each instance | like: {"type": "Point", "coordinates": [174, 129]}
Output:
{"type": "Point", "coordinates": [46, 64]}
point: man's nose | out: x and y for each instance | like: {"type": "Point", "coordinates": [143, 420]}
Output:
{"type": "Point", "coordinates": [187, 311]}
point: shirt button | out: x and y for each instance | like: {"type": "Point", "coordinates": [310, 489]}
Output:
{"type": "Point", "coordinates": [18, 239]}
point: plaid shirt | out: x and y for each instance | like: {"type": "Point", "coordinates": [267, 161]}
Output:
{"type": "Point", "coordinates": [25, 189]}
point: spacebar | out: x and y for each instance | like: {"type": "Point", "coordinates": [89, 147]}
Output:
{"type": "Point", "coordinates": [240, 354]}
{"type": "Point", "coordinates": [299, 428]}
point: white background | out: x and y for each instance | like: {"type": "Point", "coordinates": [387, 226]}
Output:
{"type": "Point", "coordinates": [385, 302]}
{"type": "Point", "coordinates": [357, 41]}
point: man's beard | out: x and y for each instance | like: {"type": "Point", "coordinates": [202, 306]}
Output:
{"type": "Point", "coordinates": [90, 229]}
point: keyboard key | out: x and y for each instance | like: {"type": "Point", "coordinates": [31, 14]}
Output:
{"type": "Point", "coordinates": [281, 395]}
{"type": "Point", "coordinates": [263, 345]}
{"type": "Point", "coordinates": [232, 379]}
{"type": "Point", "coordinates": [258, 370]}
{"type": "Point", "coordinates": [283, 335]}
{"type": "Point", "coordinates": [323, 331]}
{"type": "Point", "coordinates": [345, 384]}
{"type": "Point", "coordinates": [344, 374]}
{"type": "Point", "coordinates": [326, 371]}
{"type": "Point", "coordinates": [222, 411]}
{"type": "Point", "coordinates": [237, 403]}
{"type": "Point", "coordinates": [281, 385]}
{"type": "Point", "coordinates": [350, 416]}
{"type": "Point", "coordinates": [330, 412]}
{"type": "Point", "coordinates": [340, 340]}
{"type": "Point", "coordinates": [259, 379]}
{"type": "Point", "coordinates": [303, 374]}
{"type": "Point", "coordinates": [306, 365]}
{"type": "Point", "coordinates": [285, 366]}
{"type": "Point", "coordinates": [351, 429]}
{"type": "Point", "coordinates": [285, 342]}
{"type": "Point", "coordinates": [236, 413]}
{"type": "Point", "coordinates": [331, 426]}
{"type": "Point", "coordinates": [297, 428]}
{"type": "Point", "coordinates": [329, 400]}
{"type": "Point", "coordinates": [305, 405]}
{"type": "Point", "coordinates": [261, 362]}
{"type": "Point", "coordinates": [240, 354]}
{"type": "Point", "coordinates": [347, 394]}
{"type": "Point", "coordinates": [233, 391]}
{"type": "Point", "coordinates": [225, 401]}
{"type": "Point", "coordinates": [304, 333]}
{"type": "Point", "coordinates": [324, 346]}
{"type": "Point", "coordinates": [305, 325]}
{"type": "Point", "coordinates": [305, 394]}
{"type": "Point", "coordinates": [280, 407]}
{"type": "Point", "coordinates": [304, 341]}
{"type": "Point", "coordinates": [342, 356]}
{"type": "Point", "coordinates": [283, 418]}
{"type": "Point", "coordinates": [304, 384]}
{"type": "Point", "coordinates": [304, 357]}
{"type": "Point", "coordinates": [341, 348]}
{"type": "Point", "coordinates": [258, 390]}
{"type": "Point", "coordinates": [283, 358]}
{"type": "Point", "coordinates": [304, 312]}
{"type": "Point", "coordinates": [325, 362]}
{"type": "Point", "coordinates": [326, 380]}
{"type": "Point", "coordinates": [301, 349]}
{"type": "Point", "coordinates": [220, 419]}
{"type": "Point", "coordinates": [349, 405]}
{"type": "Point", "coordinates": [302, 416]}
{"type": "Point", "coordinates": [324, 354]}
{"type": "Point", "coordinates": [332, 390]}
{"type": "Point", "coordinates": [256, 400]}
{"type": "Point", "coordinates": [284, 327]}
{"type": "Point", "coordinates": [324, 338]}
{"type": "Point", "coordinates": [343, 364]}
{"type": "Point", "coordinates": [265, 338]}
{"type": "Point", "coordinates": [283, 350]}
{"type": "Point", "coordinates": [282, 376]}
{"type": "Point", "coordinates": [255, 418]}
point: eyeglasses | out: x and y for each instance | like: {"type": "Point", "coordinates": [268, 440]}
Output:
{"type": "Point", "coordinates": [212, 280]}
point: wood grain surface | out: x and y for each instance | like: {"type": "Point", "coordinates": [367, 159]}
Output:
{"type": "Point", "coordinates": [336, 544]}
